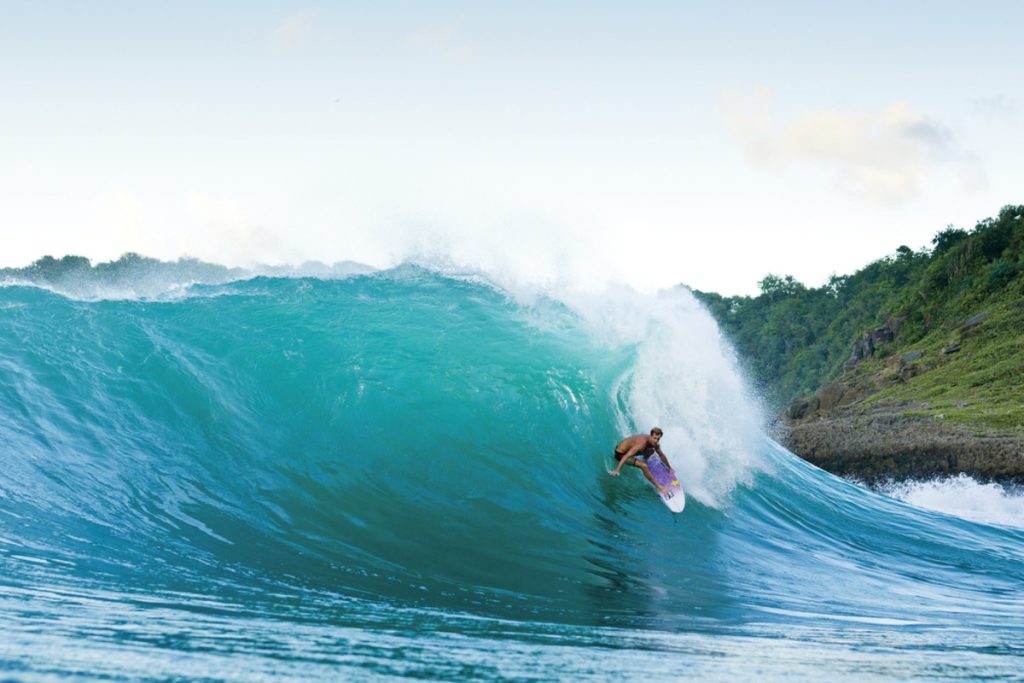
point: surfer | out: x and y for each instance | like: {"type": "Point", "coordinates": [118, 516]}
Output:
{"type": "Point", "coordinates": [630, 448]}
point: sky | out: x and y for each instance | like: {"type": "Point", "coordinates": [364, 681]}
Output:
{"type": "Point", "coordinates": [649, 143]}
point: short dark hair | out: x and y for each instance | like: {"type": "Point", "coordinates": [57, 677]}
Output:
{"type": "Point", "coordinates": [656, 431]}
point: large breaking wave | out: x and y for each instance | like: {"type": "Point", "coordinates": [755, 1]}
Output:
{"type": "Point", "coordinates": [409, 439]}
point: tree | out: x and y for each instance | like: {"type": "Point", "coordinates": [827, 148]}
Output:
{"type": "Point", "coordinates": [775, 287]}
{"type": "Point", "coordinates": [947, 238]}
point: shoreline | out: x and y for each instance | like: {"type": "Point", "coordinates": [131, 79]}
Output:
{"type": "Point", "coordinates": [885, 444]}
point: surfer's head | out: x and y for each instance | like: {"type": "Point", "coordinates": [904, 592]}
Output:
{"type": "Point", "coordinates": [656, 433]}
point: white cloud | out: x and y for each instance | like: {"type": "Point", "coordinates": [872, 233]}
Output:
{"type": "Point", "coordinates": [293, 32]}
{"type": "Point", "coordinates": [882, 157]}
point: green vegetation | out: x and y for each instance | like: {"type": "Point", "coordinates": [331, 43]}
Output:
{"type": "Point", "coordinates": [941, 329]}
{"type": "Point", "coordinates": [128, 269]}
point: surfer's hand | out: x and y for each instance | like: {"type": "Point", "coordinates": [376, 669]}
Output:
{"type": "Point", "coordinates": [613, 473]}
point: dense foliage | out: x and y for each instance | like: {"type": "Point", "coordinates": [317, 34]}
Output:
{"type": "Point", "coordinates": [794, 339]}
{"type": "Point", "coordinates": [130, 267]}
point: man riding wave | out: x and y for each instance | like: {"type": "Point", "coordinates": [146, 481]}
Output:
{"type": "Point", "coordinates": [632, 448]}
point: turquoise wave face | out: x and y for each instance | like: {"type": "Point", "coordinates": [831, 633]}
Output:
{"type": "Point", "coordinates": [410, 439]}
{"type": "Point", "coordinates": [396, 435]}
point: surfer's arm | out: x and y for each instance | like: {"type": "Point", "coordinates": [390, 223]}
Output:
{"type": "Point", "coordinates": [664, 458]}
{"type": "Point", "coordinates": [622, 461]}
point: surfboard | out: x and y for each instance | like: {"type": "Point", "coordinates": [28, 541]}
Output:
{"type": "Point", "coordinates": [675, 499]}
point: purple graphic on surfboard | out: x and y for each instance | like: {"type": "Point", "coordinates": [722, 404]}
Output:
{"type": "Point", "coordinates": [675, 499]}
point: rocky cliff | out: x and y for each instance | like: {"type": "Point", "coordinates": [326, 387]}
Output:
{"type": "Point", "coordinates": [951, 404]}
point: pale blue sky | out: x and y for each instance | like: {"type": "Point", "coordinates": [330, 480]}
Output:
{"type": "Point", "coordinates": [564, 142]}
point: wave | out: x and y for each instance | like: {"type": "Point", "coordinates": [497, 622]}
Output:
{"type": "Point", "coordinates": [414, 438]}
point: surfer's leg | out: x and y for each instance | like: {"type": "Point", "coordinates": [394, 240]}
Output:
{"type": "Point", "coordinates": [647, 473]}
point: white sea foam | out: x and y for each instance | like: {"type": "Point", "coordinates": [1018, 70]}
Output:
{"type": "Point", "coordinates": [686, 380]}
{"type": "Point", "coordinates": [964, 497]}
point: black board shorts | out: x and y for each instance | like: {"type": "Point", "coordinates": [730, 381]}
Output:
{"type": "Point", "coordinates": [619, 456]}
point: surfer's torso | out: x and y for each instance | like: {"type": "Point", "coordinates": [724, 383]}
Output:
{"type": "Point", "coordinates": [630, 442]}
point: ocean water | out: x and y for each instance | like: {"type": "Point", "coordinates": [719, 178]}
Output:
{"type": "Point", "coordinates": [404, 474]}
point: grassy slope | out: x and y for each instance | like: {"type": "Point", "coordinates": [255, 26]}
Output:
{"type": "Point", "coordinates": [795, 340]}
{"type": "Point", "coordinates": [981, 385]}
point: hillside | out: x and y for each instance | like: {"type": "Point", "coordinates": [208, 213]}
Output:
{"type": "Point", "coordinates": [133, 275]}
{"type": "Point", "coordinates": [912, 366]}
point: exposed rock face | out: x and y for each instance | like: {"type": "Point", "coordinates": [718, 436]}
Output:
{"type": "Point", "coordinates": [870, 340]}
{"type": "Point", "coordinates": [911, 356]}
{"type": "Point", "coordinates": [972, 323]}
{"type": "Point", "coordinates": [830, 397]}
{"type": "Point", "coordinates": [883, 444]}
